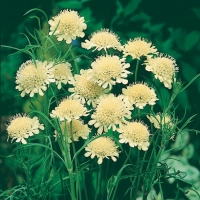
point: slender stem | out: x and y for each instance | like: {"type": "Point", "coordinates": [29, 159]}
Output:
{"type": "Point", "coordinates": [98, 183]}
{"type": "Point", "coordinates": [106, 177]}
{"type": "Point", "coordinates": [68, 163]}
{"type": "Point", "coordinates": [117, 182]}
{"type": "Point", "coordinates": [75, 159]}
{"type": "Point", "coordinates": [138, 113]}
{"type": "Point", "coordinates": [160, 188]}
{"type": "Point", "coordinates": [136, 69]}
{"type": "Point", "coordinates": [75, 63]}
{"type": "Point", "coordinates": [139, 174]}
{"type": "Point", "coordinates": [152, 163]}
{"type": "Point", "coordinates": [28, 173]}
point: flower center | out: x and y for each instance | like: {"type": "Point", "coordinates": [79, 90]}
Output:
{"type": "Point", "coordinates": [107, 68]}
{"type": "Point", "coordinates": [69, 23]}
{"type": "Point", "coordinates": [33, 77]}
{"type": "Point", "coordinates": [109, 111]}
{"type": "Point", "coordinates": [20, 126]}
{"type": "Point", "coordinates": [87, 88]}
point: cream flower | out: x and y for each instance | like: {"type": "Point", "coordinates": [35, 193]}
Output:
{"type": "Point", "coordinates": [111, 112]}
{"type": "Point", "coordinates": [69, 109]}
{"type": "Point", "coordinates": [163, 67]}
{"type": "Point", "coordinates": [62, 73]}
{"type": "Point", "coordinates": [160, 120]}
{"type": "Point", "coordinates": [67, 25]}
{"type": "Point", "coordinates": [78, 130]}
{"type": "Point", "coordinates": [109, 70]}
{"type": "Point", "coordinates": [102, 147]}
{"type": "Point", "coordinates": [21, 127]}
{"type": "Point", "coordinates": [136, 134]}
{"type": "Point", "coordinates": [102, 39]}
{"type": "Point", "coordinates": [139, 47]}
{"type": "Point", "coordinates": [140, 95]}
{"type": "Point", "coordinates": [84, 89]}
{"type": "Point", "coordinates": [33, 78]}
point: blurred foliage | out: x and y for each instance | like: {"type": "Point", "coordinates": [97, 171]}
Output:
{"type": "Point", "coordinates": [173, 26]}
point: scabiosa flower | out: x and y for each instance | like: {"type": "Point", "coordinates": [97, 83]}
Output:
{"type": "Point", "coordinates": [139, 47]}
{"type": "Point", "coordinates": [69, 109]}
{"type": "Point", "coordinates": [140, 94]}
{"type": "Point", "coordinates": [20, 127]}
{"type": "Point", "coordinates": [102, 39]}
{"type": "Point", "coordinates": [33, 78]}
{"type": "Point", "coordinates": [109, 70]}
{"type": "Point", "coordinates": [84, 89]}
{"type": "Point", "coordinates": [111, 112]}
{"type": "Point", "coordinates": [62, 73]}
{"type": "Point", "coordinates": [78, 130]}
{"type": "Point", "coordinates": [102, 147]}
{"type": "Point", "coordinates": [136, 134]}
{"type": "Point", "coordinates": [67, 25]}
{"type": "Point", "coordinates": [163, 67]}
{"type": "Point", "coordinates": [160, 120]}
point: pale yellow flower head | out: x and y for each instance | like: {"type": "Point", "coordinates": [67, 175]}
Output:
{"type": "Point", "coordinates": [102, 147]}
{"type": "Point", "coordinates": [109, 70]}
{"type": "Point", "coordinates": [139, 47]}
{"type": "Point", "coordinates": [32, 79]}
{"type": "Point", "coordinates": [161, 120]}
{"type": "Point", "coordinates": [67, 25]}
{"type": "Point", "coordinates": [140, 95]}
{"type": "Point", "coordinates": [78, 130]}
{"type": "Point", "coordinates": [136, 134]}
{"type": "Point", "coordinates": [69, 109]}
{"type": "Point", "coordinates": [111, 112]}
{"type": "Point", "coordinates": [62, 73]}
{"type": "Point", "coordinates": [163, 67]}
{"type": "Point", "coordinates": [21, 127]}
{"type": "Point", "coordinates": [102, 39]}
{"type": "Point", "coordinates": [84, 89]}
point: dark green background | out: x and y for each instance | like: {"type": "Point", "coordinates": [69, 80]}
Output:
{"type": "Point", "coordinates": [173, 26]}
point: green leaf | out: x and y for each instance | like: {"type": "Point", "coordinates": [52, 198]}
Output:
{"type": "Point", "coordinates": [188, 71]}
{"type": "Point", "coordinates": [191, 40]}
{"type": "Point", "coordinates": [131, 7]}
{"type": "Point", "coordinates": [196, 11]}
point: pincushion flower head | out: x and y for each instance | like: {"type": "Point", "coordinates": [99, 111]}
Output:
{"type": "Point", "coordinates": [69, 109]}
{"type": "Point", "coordinates": [33, 78]}
{"type": "Point", "coordinates": [136, 134]}
{"type": "Point", "coordinates": [109, 70]}
{"type": "Point", "coordinates": [67, 25]}
{"type": "Point", "coordinates": [140, 95]}
{"type": "Point", "coordinates": [111, 112]}
{"type": "Point", "coordinates": [20, 127]}
{"type": "Point", "coordinates": [102, 147]}
{"type": "Point", "coordinates": [62, 72]}
{"type": "Point", "coordinates": [102, 39]}
{"type": "Point", "coordinates": [78, 130]}
{"type": "Point", "coordinates": [161, 120]}
{"type": "Point", "coordinates": [84, 89]}
{"type": "Point", "coordinates": [163, 67]}
{"type": "Point", "coordinates": [139, 47]}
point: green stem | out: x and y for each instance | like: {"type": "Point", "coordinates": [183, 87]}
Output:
{"type": "Point", "coordinates": [76, 161]}
{"type": "Point", "coordinates": [106, 177]}
{"type": "Point", "coordinates": [68, 163]}
{"type": "Point", "coordinates": [160, 188]}
{"type": "Point", "coordinates": [28, 174]}
{"type": "Point", "coordinates": [117, 182]}
{"type": "Point", "coordinates": [136, 70]}
{"type": "Point", "coordinates": [97, 195]}
{"type": "Point", "coordinates": [75, 63]}
{"type": "Point", "coordinates": [139, 174]}
{"type": "Point", "coordinates": [151, 164]}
